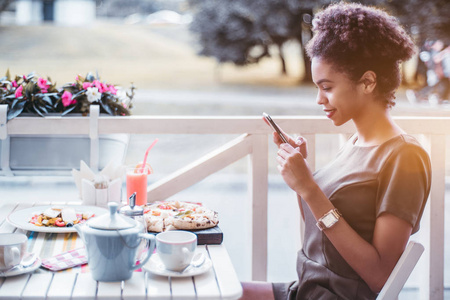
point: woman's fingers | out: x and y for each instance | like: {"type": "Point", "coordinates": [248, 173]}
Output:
{"type": "Point", "coordinates": [302, 145]}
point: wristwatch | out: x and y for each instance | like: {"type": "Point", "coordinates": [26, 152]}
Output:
{"type": "Point", "coordinates": [328, 219]}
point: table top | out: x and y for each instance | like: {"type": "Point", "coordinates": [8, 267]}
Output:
{"type": "Point", "coordinates": [219, 282]}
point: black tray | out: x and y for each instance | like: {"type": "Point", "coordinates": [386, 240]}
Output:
{"type": "Point", "coordinates": [210, 236]}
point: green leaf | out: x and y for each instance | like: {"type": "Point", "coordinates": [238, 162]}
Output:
{"type": "Point", "coordinates": [90, 77]}
{"type": "Point", "coordinates": [43, 109]}
{"type": "Point", "coordinates": [183, 214]}
{"type": "Point", "coordinates": [16, 110]}
{"type": "Point", "coordinates": [36, 109]}
{"type": "Point", "coordinates": [80, 93]}
{"type": "Point", "coordinates": [68, 110]}
{"type": "Point", "coordinates": [47, 99]}
{"type": "Point", "coordinates": [30, 89]}
{"type": "Point", "coordinates": [106, 108]}
{"type": "Point", "coordinates": [30, 76]}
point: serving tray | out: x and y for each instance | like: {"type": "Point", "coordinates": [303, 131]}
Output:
{"type": "Point", "coordinates": [210, 236]}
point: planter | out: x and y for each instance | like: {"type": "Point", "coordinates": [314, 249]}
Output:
{"type": "Point", "coordinates": [45, 154]}
{"type": "Point", "coordinates": [57, 155]}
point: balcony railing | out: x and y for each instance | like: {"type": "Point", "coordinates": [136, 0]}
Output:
{"type": "Point", "coordinates": [252, 141]}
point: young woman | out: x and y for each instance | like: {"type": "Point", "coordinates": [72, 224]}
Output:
{"type": "Point", "coordinates": [362, 207]}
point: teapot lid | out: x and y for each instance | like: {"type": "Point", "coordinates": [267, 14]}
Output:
{"type": "Point", "coordinates": [111, 221]}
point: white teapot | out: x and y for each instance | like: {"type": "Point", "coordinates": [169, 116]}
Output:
{"type": "Point", "coordinates": [111, 242]}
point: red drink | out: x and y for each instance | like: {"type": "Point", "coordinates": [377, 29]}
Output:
{"type": "Point", "coordinates": [137, 182]}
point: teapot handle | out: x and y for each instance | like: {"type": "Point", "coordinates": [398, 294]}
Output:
{"type": "Point", "coordinates": [151, 247]}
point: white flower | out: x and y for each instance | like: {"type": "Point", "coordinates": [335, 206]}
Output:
{"type": "Point", "coordinates": [93, 94]}
{"type": "Point", "coordinates": [122, 96]}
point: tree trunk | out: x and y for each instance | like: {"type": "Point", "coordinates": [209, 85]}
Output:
{"type": "Point", "coordinates": [307, 63]}
{"type": "Point", "coordinates": [283, 61]}
{"type": "Point", "coordinates": [305, 36]}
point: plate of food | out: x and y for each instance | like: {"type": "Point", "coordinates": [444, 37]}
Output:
{"type": "Point", "coordinates": [53, 218]}
{"type": "Point", "coordinates": [178, 215]}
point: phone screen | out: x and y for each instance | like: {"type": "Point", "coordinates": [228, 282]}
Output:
{"type": "Point", "coordinates": [274, 127]}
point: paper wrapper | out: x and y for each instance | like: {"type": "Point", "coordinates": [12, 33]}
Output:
{"type": "Point", "coordinates": [99, 189]}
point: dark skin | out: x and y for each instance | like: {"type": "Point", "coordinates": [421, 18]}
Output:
{"type": "Point", "coordinates": [344, 100]}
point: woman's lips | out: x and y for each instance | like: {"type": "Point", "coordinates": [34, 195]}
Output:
{"type": "Point", "coordinates": [329, 112]}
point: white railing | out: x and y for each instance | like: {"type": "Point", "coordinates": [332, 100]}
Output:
{"type": "Point", "coordinates": [253, 141]}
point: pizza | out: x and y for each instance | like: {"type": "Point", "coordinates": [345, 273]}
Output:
{"type": "Point", "coordinates": [172, 215]}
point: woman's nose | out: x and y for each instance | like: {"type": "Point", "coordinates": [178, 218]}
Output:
{"type": "Point", "coordinates": [320, 99]}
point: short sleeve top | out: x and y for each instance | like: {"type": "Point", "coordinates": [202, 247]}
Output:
{"type": "Point", "coordinates": [362, 183]}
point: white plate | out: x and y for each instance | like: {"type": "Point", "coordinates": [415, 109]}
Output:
{"type": "Point", "coordinates": [21, 218]}
{"type": "Point", "coordinates": [156, 266]}
{"type": "Point", "coordinates": [20, 271]}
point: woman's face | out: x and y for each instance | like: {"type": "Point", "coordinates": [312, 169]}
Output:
{"type": "Point", "coordinates": [338, 95]}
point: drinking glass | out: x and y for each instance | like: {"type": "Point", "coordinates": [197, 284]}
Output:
{"type": "Point", "coordinates": [137, 183]}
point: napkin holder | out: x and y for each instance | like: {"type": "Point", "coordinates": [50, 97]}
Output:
{"type": "Point", "coordinates": [97, 189]}
{"type": "Point", "coordinates": [100, 196]}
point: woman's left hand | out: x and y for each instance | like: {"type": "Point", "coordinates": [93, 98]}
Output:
{"type": "Point", "coordinates": [294, 169]}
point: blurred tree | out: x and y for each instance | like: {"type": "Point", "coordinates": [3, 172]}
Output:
{"type": "Point", "coordinates": [4, 4]}
{"type": "Point", "coordinates": [424, 19]}
{"type": "Point", "coordinates": [124, 8]}
{"type": "Point", "coordinates": [241, 31]}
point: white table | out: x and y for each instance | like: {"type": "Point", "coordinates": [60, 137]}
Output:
{"type": "Point", "coordinates": [220, 282]}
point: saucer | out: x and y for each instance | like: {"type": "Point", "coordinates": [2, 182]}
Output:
{"type": "Point", "coordinates": [156, 266]}
{"type": "Point", "coordinates": [22, 270]}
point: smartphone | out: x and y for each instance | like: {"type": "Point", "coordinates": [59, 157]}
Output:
{"type": "Point", "coordinates": [275, 127]}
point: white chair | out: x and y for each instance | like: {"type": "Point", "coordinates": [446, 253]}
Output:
{"type": "Point", "coordinates": [401, 272]}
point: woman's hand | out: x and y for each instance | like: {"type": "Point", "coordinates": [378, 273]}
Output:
{"type": "Point", "coordinates": [299, 142]}
{"type": "Point", "coordinates": [294, 169]}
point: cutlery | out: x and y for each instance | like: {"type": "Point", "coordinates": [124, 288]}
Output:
{"type": "Point", "coordinates": [27, 261]}
{"type": "Point", "coordinates": [197, 261]}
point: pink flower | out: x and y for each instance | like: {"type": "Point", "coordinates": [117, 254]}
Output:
{"type": "Point", "coordinates": [43, 91]}
{"type": "Point", "coordinates": [77, 78]}
{"type": "Point", "coordinates": [86, 85]}
{"type": "Point", "coordinates": [42, 83]}
{"type": "Point", "coordinates": [14, 84]}
{"type": "Point", "coordinates": [67, 99]}
{"type": "Point", "coordinates": [18, 92]}
{"type": "Point", "coordinates": [104, 87]}
{"type": "Point", "coordinates": [98, 85]}
{"type": "Point", "coordinates": [112, 89]}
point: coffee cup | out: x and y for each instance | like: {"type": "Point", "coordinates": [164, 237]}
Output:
{"type": "Point", "coordinates": [12, 249]}
{"type": "Point", "coordinates": [176, 249]}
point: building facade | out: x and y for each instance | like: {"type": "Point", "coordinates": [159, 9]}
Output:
{"type": "Point", "coordinates": [60, 12]}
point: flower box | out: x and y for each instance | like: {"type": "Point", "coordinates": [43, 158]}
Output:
{"type": "Point", "coordinates": [59, 154]}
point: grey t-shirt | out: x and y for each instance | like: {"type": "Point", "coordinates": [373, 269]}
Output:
{"type": "Point", "coordinates": [362, 183]}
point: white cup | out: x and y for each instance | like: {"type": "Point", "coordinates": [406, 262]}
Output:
{"type": "Point", "coordinates": [12, 249]}
{"type": "Point", "coordinates": [176, 248]}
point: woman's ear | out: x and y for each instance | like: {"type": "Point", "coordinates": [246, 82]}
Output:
{"type": "Point", "coordinates": [368, 81]}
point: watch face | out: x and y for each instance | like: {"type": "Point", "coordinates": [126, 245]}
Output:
{"type": "Point", "coordinates": [329, 220]}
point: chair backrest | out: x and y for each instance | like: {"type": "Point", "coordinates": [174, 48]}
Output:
{"type": "Point", "coordinates": [401, 272]}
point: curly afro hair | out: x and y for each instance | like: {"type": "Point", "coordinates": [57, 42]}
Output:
{"type": "Point", "coordinates": [356, 38]}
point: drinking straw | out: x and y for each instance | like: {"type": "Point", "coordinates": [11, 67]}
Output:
{"type": "Point", "coordinates": [146, 154]}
